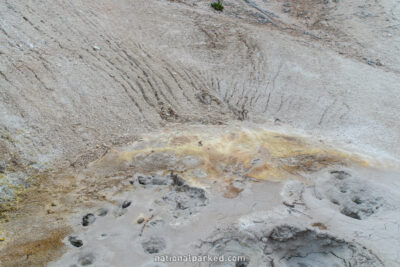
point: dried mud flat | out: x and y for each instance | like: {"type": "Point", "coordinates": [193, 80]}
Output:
{"type": "Point", "coordinates": [136, 129]}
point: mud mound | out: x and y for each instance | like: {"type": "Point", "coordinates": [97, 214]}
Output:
{"type": "Point", "coordinates": [180, 198]}
{"type": "Point", "coordinates": [354, 197]}
{"type": "Point", "coordinates": [287, 245]}
{"type": "Point", "coordinates": [184, 199]}
{"type": "Point", "coordinates": [291, 246]}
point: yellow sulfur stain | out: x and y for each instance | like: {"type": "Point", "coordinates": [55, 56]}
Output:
{"type": "Point", "coordinates": [258, 154]}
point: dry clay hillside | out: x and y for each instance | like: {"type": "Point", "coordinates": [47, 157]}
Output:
{"type": "Point", "coordinates": [95, 93]}
{"type": "Point", "coordinates": [80, 72]}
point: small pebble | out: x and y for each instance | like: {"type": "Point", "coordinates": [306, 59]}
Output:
{"type": "Point", "coordinates": [102, 212]}
{"type": "Point", "coordinates": [88, 219]}
{"type": "Point", "coordinates": [140, 220]}
{"type": "Point", "coordinates": [75, 241]}
{"type": "Point", "coordinates": [126, 204]}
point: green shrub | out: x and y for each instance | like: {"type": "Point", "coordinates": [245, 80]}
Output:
{"type": "Point", "coordinates": [217, 6]}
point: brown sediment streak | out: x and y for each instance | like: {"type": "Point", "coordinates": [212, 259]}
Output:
{"type": "Point", "coordinates": [35, 252]}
